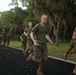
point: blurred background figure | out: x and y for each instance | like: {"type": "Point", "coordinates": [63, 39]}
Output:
{"type": "Point", "coordinates": [29, 40]}
{"type": "Point", "coordinates": [4, 36]}
{"type": "Point", "coordinates": [0, 39]}
{"type": "Point", "coordinates": [8, 39]}
{"type": "Point", "coordinates": [23, 38]}
{"type": "Point", "coordinates": [72, 48]}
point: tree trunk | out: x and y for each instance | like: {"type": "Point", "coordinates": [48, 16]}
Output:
{"type": "Point", "coordinates": [57, 35]}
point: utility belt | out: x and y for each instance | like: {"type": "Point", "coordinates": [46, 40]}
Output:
{"type": "Point", "coordinates": [41, 42]}
{"type": "Point", "coordinates": [28, 38]}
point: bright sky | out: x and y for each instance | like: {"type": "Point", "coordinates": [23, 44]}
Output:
{"type": "Point", "coordinates": [4, 5]}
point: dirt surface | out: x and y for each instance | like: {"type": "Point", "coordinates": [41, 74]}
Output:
{"type": "Point", "coordinates": [57, 54]}
{"type": "Point", "coordinates": [61, 55]}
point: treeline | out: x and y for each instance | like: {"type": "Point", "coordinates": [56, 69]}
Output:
{"type": "Point", "coordinates": [15, 21]}
{"type": "Point", "coordinates": [61, 21]}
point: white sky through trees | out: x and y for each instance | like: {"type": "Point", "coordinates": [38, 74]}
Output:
{"type": "Point", "coordinates": [4, 5]}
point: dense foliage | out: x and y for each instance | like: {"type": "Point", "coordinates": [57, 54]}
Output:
{"type": "Point", "coordinates": [62, 16]}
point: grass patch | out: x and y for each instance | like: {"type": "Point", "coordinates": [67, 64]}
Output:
{"type": "Point", "coordinates": [61, 48]}
{"type": "Point", "coordinates": [16, 44]}
{"type": "Point", "coordinates": [52, 49]}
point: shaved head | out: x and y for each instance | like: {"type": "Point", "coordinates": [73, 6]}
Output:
{"type": "Point", "coordinates": [44, 19]}
{"type": "Point", "coordinates": [43, 15]}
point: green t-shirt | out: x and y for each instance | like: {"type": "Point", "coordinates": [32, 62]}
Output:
{"type": "Point", "coordinates": [29, 31]}
{"type": "Point", "coordinates": [40, 32]}
{"type": "Point", "coordinates": [24, 37]}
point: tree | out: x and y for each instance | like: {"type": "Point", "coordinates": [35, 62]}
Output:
{"type": "Point", "coordinates": [57, 10]}
{"type": "Point", "coordinates": [13, 19]}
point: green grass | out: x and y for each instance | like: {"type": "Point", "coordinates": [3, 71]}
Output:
{"type": "Point", "coordinates": [61, 48]}
{"type": "Point", "coordinates": [52, 49]}
{"type": "Point", "coordinates": [16, 44]}
{"type": "Point", "coordinates": [72, 57]}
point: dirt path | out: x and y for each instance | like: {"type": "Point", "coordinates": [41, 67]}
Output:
{"type": "Point", "coordinates": [56, 54]}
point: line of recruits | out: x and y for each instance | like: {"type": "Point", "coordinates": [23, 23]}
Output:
{"type": "Point", "coordinates": [37, 36]}
{"type": "Point", "coordinates": [4, 37]}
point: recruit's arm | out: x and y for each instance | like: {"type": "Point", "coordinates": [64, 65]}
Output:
{"type": "Point", "coordinates": [74, 36]}
{"type": "Point", "coordinates": [33, 39]}
{"type": "Point", "coordinates": [48, 38]}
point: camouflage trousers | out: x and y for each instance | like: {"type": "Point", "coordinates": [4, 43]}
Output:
{"type": "Point", "coordinates": [75, 44]}
{"type": "Point", "coordinates": [8, 41]}
{"type": "Point", "coordinates": [24, 45]}
{"type": "Point", "coordinates": [3, 40]}
{"type": "Point", "coordinates": [72, 46]}
{"type": "Point", "coordinates": [0, 40]}
{"type": "Point", "coordinates": [40, 53]}
{"type": "Point", "coordinates": [30, 45]}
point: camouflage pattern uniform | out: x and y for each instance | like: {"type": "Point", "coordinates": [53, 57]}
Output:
{"type": "Point", "coordinates": [8, 39]}
{"type": "Point", "coordinates": [29, 40]}
{"type": "Point", "coordinates": [72, 46]}
{"type": "Point", "coordinates": [4, 35]}
{"type": "Point", "coordinates": [24, 37]}
{"type": "Point", "coordinates": [0, 39]}
{"type": "Point", "coordinates": [74, 71]}
{"type": "Point", "coordinates": [40, 51]}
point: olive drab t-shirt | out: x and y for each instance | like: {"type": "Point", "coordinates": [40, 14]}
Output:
{"type": "Point", "coordinates": [40, 32]}
{"type": "Point", "coordinates": [29, 31]}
